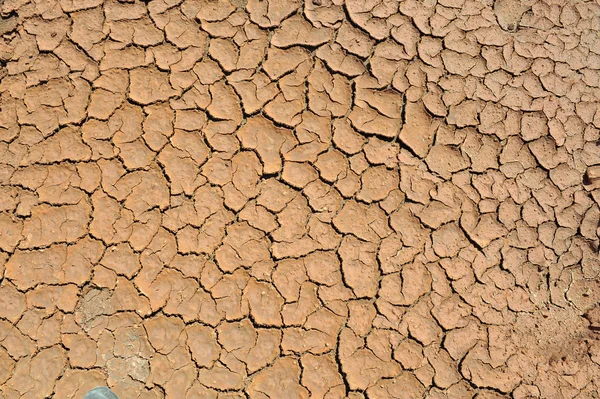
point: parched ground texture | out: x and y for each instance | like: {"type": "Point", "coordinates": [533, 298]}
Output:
{"type": "Point", "coordinates": [300, 199]}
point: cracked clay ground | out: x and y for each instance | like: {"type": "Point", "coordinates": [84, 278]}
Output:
{"type": "Point", "coordinates": [282, 199]}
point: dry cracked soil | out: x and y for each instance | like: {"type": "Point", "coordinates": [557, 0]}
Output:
{"type": "Point", "coordinates": [284, 199]}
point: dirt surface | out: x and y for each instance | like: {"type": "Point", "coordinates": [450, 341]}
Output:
{"type": "Point", "coordinates": [300, 199]}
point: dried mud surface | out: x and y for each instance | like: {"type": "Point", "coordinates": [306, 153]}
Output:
{"type": "Point", "coordinates": [300, 199]}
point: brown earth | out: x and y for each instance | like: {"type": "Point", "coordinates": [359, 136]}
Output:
{"type": "Point", "coordinates": [300, 199]}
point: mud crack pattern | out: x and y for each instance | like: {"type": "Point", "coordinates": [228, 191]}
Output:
{"type": "Point", "coordinates": [300, 199]}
